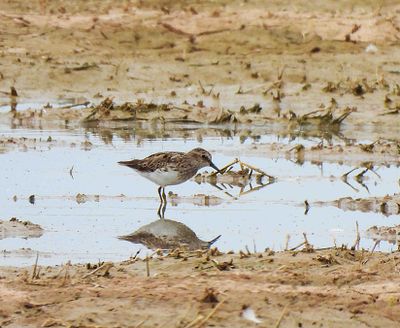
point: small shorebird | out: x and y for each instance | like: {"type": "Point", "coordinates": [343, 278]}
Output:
{"type": "Point", "coordinates": [170, 168]}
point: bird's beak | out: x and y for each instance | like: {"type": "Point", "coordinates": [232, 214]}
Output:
{"type": "Point", "coordinates": [215, 167]}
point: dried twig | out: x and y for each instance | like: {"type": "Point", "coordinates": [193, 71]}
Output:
{"type": "Point", "coordinates": [65, 276]}
{"type": "Point", "coordinates": [296, 247]}
{"type": "Point", "coordinates": [256, 169]}
{"type": "Point", "coordinates": [140, 323]}
{"type": "Point", "coordinates": [195, 321]}
{"type": "Point", "coordinates": [104, 265]}
{"type": "Point", "coordinates": [86, 103]}
{"type": "Point", "coordinates": [358, 238]}
{"type": "Point", "coordinates": [226, 167]}
{"type": "Point", "coordinates": [203, 91]}
{"type": "Point", "coordinates": [287, 242]}
{"type": "Point", "coordinates": [35, 267]}
{"type": "Point", "coordinates": [376, 244]}
{"type": "Point", "coordinates": [305, 239]}
{"type": "Point", "coordinates": [202, 322]}
{"type": "Point", "coordinates": [147, 266]}
{"type": "Point", "coordinates": [278, 323]}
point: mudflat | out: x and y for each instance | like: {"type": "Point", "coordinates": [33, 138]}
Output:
{"type": "Point", "coordinates": [316, 70]}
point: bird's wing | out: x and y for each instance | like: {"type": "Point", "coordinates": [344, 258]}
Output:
{"type": "Point", "coordinates": [154, 162]}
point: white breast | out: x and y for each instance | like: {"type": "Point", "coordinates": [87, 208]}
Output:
{"type": "Point", "coordinates": [162, 178]}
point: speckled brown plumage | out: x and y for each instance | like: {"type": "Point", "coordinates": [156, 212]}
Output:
{"type": "Point", "coordinates": [156, 161]}
{"type": "Point", "coordinates": [170, 168]}
{"type": "Point", "coordinates": [183, 165]}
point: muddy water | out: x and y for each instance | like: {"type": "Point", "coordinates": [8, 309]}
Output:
{"type": "Point", "coordinates": [120, 202]}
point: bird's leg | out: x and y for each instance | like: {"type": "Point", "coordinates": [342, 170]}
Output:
{"type": "Point", "coordinates": [159, 193]}
{"type": "Point", "coordinates": [163, 202]}
{"type": "Point", "coordinates": [163, 208]}
{"type": "Point", "coordinates": [160, 212]}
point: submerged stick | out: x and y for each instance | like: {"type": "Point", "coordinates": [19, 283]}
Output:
{"type": "Point", "coordinates": [359, 176]}
{"type": "Point", "coordinates": [307, 207]}
{"type": "Point", "coordinates": [346, 182]}
{"type": "Point", "coordinates": [257, 170]}
{"type": "Point", "coordinates": [344, 176]}
{"type": "Point", "coordinates": [253, 189]}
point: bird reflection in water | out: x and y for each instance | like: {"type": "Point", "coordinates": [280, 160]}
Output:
{"type": "Point", "coordinates": [168, 234]}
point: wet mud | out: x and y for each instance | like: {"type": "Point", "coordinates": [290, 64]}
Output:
{"type": "Point", "coordinates": [280, 92]}
{"type": "Point", "coordinates": [388, 205]}
{"type": "Point", "coordinates": [17, 228]}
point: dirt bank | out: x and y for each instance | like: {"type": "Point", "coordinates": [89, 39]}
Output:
{"type": "Point", "coordinates": [298, 289]}
{"type": "Point", "coordinates": [288, 59]}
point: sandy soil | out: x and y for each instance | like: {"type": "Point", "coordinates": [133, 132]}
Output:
{"type": "Point", "coordinates": [329, 288]}
{"type": "Point", "coordinates": [305, 63]}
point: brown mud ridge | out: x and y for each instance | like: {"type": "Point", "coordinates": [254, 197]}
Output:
{"type": "Point", "coordinates": [24, 253]}
{"type": "Point", "coordinates": [389, 234]}
{"type": "Point", "coordinates": [17, 228]}
{"type": "Point", "coordinates": [38, 144]}
{"type": "Point", "coordinates": [107, 110]}
{"type": "Point", "coordinates": [363, 155]}
{"type": "Point", "coordinates": [81, 198]}
{"type": "Point", "coordinates": [298, 288]}
{"type": "Point", "coordinates": [388, 205]}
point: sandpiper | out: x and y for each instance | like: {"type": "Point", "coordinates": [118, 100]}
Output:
{"type": "Point", "coordinates": [171, 168]}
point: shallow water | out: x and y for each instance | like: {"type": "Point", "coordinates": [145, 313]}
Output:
{"type": "Point", "coordinates": [83, 232]}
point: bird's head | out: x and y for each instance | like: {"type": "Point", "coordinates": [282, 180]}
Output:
{"type": "Point", "coordinates": [203, 157]}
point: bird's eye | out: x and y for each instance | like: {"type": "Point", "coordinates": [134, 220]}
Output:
{"type": "Point", "coordinates": [204, 156]}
